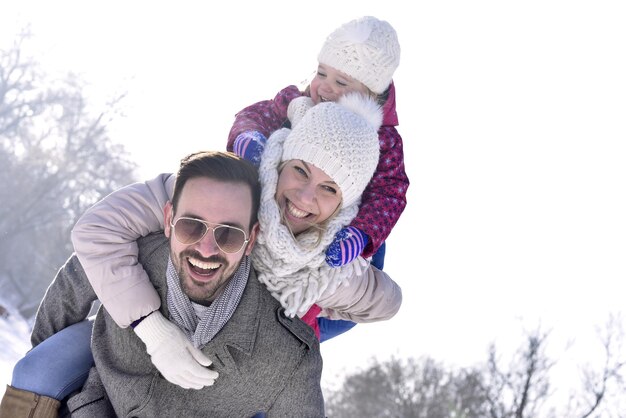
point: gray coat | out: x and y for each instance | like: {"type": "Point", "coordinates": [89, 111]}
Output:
{"type": "Point", "coordinates": [266, 361]}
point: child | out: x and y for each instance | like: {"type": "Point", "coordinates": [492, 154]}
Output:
{"type": "Point", "coordinates": [362, 56]}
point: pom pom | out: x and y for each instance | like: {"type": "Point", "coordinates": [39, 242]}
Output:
{"type": "Point", "coordinates": [364, 106]}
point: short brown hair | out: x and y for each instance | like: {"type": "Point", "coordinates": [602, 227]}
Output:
{"type": "Point", "coordinates": [220, 166]}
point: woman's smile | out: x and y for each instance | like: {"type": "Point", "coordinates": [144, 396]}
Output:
{"type": "Point", "coordinates": [306, 195]}
{"type": "Point", "coordinates": [295, 211]}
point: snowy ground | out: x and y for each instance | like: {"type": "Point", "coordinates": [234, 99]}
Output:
{"type": "Point", "coordinates": [15, 341]}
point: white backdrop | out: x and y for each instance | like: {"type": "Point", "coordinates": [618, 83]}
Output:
{"type": "Point", "coordinates": [512, 115]}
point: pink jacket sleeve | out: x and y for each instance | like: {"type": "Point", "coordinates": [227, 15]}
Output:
{"type": "Point", "coordinates": [371, 297]}
{"type": "Point", "coordinates": [105, 237]}
{"type": "Point", "coordinates": [384, 198]}
{"type": "Point", "coordinates": [265, 116]}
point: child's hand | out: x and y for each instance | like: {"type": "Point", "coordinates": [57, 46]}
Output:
{"type": "Point", "coordinates": [347, 245]}
{"type": "Point", "coordinates": [250, 145]}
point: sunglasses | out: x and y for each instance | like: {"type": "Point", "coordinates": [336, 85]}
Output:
{"type": "Point", "coordinates": [228, 238]}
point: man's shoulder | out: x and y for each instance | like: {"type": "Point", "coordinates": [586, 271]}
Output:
{"type": "Point", "coordinates": [273, 312]}
{"type": "Point", "coordinates": [153, 248]}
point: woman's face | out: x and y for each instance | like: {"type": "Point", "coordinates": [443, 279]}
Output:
{"type": "Point", "coordinates": [306, 195]}
{"type": "Point", "coordinates": [329, 85]}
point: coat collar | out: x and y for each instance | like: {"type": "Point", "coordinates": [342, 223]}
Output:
{"type": "Point", "coordinates": [390, 116]}
{"type": "Point", "coordinates": [241, 331]}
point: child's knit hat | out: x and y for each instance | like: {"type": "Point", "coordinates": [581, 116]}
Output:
{"type": "Point", "coordinates": [366, 49]}
{"type": "Point", "coordinates": [339, 138]}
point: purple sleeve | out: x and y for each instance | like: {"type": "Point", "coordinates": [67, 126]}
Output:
{"type": "Point", "coordinates": [265, 116]}
{"type": "Point", "coordinates": [384, 198]}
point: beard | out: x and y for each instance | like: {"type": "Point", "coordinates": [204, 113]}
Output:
{"type": "Point", "coordinates": [206, 291]}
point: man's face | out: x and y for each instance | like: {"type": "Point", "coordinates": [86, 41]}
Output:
{"type": "Point", "coordinates": [203, 268]}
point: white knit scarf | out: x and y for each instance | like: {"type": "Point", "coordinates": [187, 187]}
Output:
{"type": "Point", "coordinates": [295, 269]}
{"type": "Point", "coordinates": [201, 331]}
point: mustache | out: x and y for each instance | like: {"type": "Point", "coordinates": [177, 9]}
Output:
{"type": "Point", "coordinates": [212, 259]}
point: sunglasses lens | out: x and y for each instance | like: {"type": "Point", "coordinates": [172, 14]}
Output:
{"type": "Point", "coordinates": [230, 240]}
{"type": "Point", "coordinates": [189, 231]}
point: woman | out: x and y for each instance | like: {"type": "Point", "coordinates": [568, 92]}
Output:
{"type": "Point", "coordinates": [312, 178]}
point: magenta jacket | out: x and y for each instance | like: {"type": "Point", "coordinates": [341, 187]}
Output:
{"type": "Point", "coordinates": [384, 198]}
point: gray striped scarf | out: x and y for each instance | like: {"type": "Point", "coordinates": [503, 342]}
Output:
{"type": "Point", "coordinates": [201, 331]}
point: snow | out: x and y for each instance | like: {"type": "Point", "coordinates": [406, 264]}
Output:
{"type": "Point", "coordinates": [15, 342]}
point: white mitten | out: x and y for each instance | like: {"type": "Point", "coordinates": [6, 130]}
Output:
{"type": "Point", "coordinates": [173, 354]}
{"type": "Point", "coordinates": [297, 109]}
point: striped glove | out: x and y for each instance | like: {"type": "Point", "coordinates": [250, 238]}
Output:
{"type": "Point", "coordinates": [347, 245]}
{"type": "Point", "coordinates": [250, 145]}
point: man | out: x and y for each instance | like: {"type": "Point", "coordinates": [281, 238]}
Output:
{"type": "Point", "coordinates": [266, 362]}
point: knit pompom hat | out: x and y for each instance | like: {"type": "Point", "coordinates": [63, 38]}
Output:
{"type": "Point", "coordinates": [339, 138]}
{"type": "Point", "coordinates": [366, 49]}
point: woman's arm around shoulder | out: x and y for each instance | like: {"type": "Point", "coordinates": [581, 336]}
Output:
{"type": "Point", "coordinates": [367, 297]}
{"type": "Point", "coordinates": [105, 237]}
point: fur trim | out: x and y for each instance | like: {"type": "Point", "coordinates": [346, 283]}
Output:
{"type": "Point", "coordinates": [364, 106]}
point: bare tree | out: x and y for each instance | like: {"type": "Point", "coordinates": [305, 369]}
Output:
{"type": "Point", "coordinates": [57, 159]}
{"type": "Point", "coordinates": [520, 389]}
{"type": "Point", "coordinates": [606, 382]}
{"type": "Point", "coordinates": [517, 388]}
{"type": "Point", "coordinates": [408, 388]}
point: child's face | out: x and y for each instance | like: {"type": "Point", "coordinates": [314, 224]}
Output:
{"type": "Point", "coordinates": [306, 195]}
{"type": "Point", "coordinates": [329, 85]}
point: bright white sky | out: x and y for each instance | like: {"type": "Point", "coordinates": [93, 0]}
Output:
{"type": "Point", "coordinates": [514, 127]}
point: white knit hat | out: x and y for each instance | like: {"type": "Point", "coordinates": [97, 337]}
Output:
{"type": "Point", "coordinates": [339, 138]}
{"type": "Point", "coordinates": [366, 49]}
